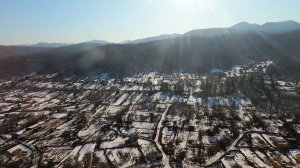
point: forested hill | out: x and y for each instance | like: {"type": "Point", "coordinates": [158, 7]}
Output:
{"type": "Point", "coordinates": [183, 53]}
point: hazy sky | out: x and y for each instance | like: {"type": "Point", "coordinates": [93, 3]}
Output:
{"type": "Point", "coordinates": [71, 21]}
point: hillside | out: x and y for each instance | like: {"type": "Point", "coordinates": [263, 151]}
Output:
{"type": "Point", "coordinates": [187, 53]}
{"type": "Point", "coordinates": [9, 51]}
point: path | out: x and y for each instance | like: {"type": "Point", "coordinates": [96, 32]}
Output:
{"type": "Point", "coordinates": [165, 158]}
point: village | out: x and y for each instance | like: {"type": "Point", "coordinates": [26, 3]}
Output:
{"type": "Point", "coordinates": [218, 119]}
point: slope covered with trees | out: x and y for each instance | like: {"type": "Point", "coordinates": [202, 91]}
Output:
{"type": "Point", "coordinates": [185, 53]}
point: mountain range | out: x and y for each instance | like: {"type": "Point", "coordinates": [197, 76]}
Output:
{"type": "Point", "coordinates": [269, 27]}
{"type": "Point", "coordinates": [194, 51]}
{"type": "Point", "coordinates": [56, 45]}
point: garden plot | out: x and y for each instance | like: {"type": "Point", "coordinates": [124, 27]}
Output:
{"type": "Point", "coordinates": [161, 97]}
{"type": "Point", "coordinates": [273, 126]}
{"type": "Point", "coordinates": [240, 160]}
{"type": "Point", "coordinates": [181, 139]}
{"type": "Point", "coordinates": [37, 124]}
{"type": "Point", "coordinates": [149, 150]}
{"type": "Point", "coordinates": [146, 133]}
{"type": "Point", "coordinates": [71, 156]}
{"type": "Point", "coordinates": [244, 143]}
{"type": "Point", "coordinates": [192, 154]}
{"type": "Point", "coordinates": [107, 135]}
{"type": "Point", "coordinates": [56, 154]}
{"type": "Point", "coordinates": [295, 154]}
{"type": "Point", "coordinates": [59, 115]}
{"type": "Point", "coordinates": [279, 158]}
{"type": "Point", "coordinates": [20, 151]}
{"type": "Point", "coordinates": [258, 141]}
{"type": "Point", "coordinates": [275, 141]}
{"type": "Point", "coordinates": [193, 136]}
{"type": "Point", "coordinates": [99, 159]}
{"type": "Point", "coordinates": [142, 116]}
{"type": "Point", "coordinates": [45, 127]}
{"type": "Point", "coordinates": [130, 98]}
{"type": "Point", "coordinates": [228, 101]}
{"type": "Point", "coordinates": [86, 149]}
{"type": "Point", "coordinates": [62, 128]}
{"type": "Point", "coordinates": [111, 111]}
{"type": "Point", "coordinates": [228, 162]}
{"type": "Point", "coordinates": [99, 112]}
{"type": "Point", "coordinates": [4, 106]}
{"type": "Point", "coordinates": [52, 141]}
{"type": "Point", "coordinates": [252, 157]}
{"type": "Point", "coordinates": [136, 99]}
{"type": "Point", "coordinates": [261, 155]}
{"type": "Point", "coordinates": [192, 100]}
{"type": "Point", "coordinates": [124, 157]}
{"type": "Point", "coordinates": [86, 133]}
{"type": "Point", "coordinates": [2, 141]}
{"type": "Point", "coordinates": [167, 136]}
{"type": "Point", "coordinates": [144, 125]}
{"type": "Point", "coordinates": [117, 142]}
{"type": "Point", "coordinates": [121, 99]}
{"type": "Point", "coordinates": [207, 140]}
{"type": "Point", "coordinates": [265, 157]}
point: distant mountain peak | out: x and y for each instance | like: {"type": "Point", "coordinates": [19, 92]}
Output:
{"type": "Point", "coordinates": [288, 22]}
{"type": "Point", "coordinates": [125, 41]}
{"type": "Point", "coordinates": [245, 25]}
{"type": "Point", "coordinates": [280, 27]}
{"type": "Point", "coordinates": [97, 41]}
{"type": "Point", "coordinates": [50, 45]}
{"type": "Point", "coordinates": [154, 38]}
{"type": "Point", "coordinates": [270, 27]}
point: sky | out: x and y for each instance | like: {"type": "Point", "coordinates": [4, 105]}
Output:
{"type": "Point", "coordinates": [74, 21]}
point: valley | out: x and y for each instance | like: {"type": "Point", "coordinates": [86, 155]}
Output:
{"type": "Point", "coordinates": [245, 116]}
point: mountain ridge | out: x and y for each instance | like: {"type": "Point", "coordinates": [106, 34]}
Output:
{"type": "Point", "coordinates": [57, 45]}
{"type": "Point", "coordinates": [181, 54]}
{"type": "Point", "coordinates": [268, 27]}
{"type": "Point", "coordinates": [178, 54]}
